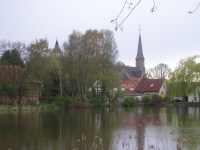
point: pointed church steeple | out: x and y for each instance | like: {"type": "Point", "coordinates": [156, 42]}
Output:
{"type": "Point", "coordinates": [140, 57]}
{"type": "Point", "coordinates": [140, 51]}
{"type": "Point", "coordinates": [56, 45]}
{"type": "Point", "coordinates": [56, 50]}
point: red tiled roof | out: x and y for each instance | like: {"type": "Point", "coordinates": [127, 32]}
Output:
{"type": "Point", "coordinates": [145, 85]}
{"type": "Point", "coordinates": [135, 81]}
{"type": "Point", "coordinates": [10, 73]}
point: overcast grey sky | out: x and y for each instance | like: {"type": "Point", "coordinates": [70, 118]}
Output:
{"type": "Point", "coordinates": [168, 35]}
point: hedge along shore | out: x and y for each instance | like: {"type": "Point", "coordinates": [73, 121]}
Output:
{"type": "Point", "coordinates": [45, 106]}
{"type": "Point", "coordinates": [29, 107]}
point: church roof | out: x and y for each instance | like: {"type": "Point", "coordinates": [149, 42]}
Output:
{"type": "Point", "coordinates": [139, 52]}
{"type": "Point", "coordinates": [133, 71]}
{"type": "Point", "coordinates": [57, 48]}
{"type": "Point", "coordinates": [123, 76]}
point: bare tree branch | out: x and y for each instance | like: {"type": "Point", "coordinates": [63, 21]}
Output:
{"type": "Point", "coordinates": [115, 20]}
{"type": "Point", "coordinates": [154, 8]}
{"type": "Point", "coordinates": [122, 9]}
{"type": "Point", "coordinates": [119, 25]}
{"type": "Point", "coordinates": [194, 10]}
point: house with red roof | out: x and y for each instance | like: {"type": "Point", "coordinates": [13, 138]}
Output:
{"type": "Point", "coordinates": [129, 86]}
{"type": "Point", "coordinates": [148, 86]}
{"type": "Point", "coordinates": [133, 80]}
{"type": "Point", "coordinates": [17, 84]}
{"type": "Point", "coordinates": [134, 72]}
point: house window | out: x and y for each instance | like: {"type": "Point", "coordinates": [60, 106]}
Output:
{"type": "Point", "coordinates": [123, 89]}
{"type": "Point", "coordinates": [151, 85]}
{"type": "Point", "coordinates": [163, 86]}
{"type": "Point", "coordinates": [132, 89]}
{"type": "Point", "coordinates": [115, 89]}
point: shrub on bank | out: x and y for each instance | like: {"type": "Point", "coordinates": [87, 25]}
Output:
{"type": "Point", "coordinates": [162, 97]}
{"type": "Point", "coordinates": [133, 101]}
{"type": "Point", "coordinates": [146, 99]}
{"type": "Point", "coordinates": [65, 97]}
{"type": "Point", "coordinates": [126, 102]}
{"type": "Point", "coordinates": [129, 101]}
{"type": "Point", "coordinates": [62, 100]}
{"type": "Point", "coordinates": [96, 101]}
{"type": "Point", "coordinates": [156, 98]}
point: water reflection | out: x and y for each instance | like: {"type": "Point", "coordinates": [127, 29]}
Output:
{"type": "Point", "coordinates": [119, 128]}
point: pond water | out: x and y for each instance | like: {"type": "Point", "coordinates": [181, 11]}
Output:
{"type": "Point", "coordinates": [103, 128]}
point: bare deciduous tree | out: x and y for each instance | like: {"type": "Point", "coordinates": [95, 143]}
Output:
{"type": "Point", "coordinates": [160, 71]}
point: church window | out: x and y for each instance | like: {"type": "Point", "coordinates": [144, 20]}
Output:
{"type": "Point", "coordinates": [163, 86]}
{"type": "Point", "coordinates": [123, 89]}
{"type": "Point", "coordinates": [132, 89]}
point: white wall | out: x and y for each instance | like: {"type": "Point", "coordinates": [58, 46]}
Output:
{"type": "Point", "coordinates": [163, 89]}
{"type": "Point", "coordinates": [191, 97]}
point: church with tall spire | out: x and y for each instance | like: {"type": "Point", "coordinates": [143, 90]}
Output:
{"type": "Point", "coordinates": [138, 71]}
{"type": "Point", "coordinates": [133, 80]}
{"type": "Point", "coordinates": [140, 57]}
{"type": "Point", "coordinates": [56, 50]}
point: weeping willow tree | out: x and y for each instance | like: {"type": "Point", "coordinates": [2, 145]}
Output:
{"type": "Point", "coordinates": [185, 78]}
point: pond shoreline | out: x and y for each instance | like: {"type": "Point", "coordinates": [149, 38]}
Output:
{"type": "Point", "coordinates": [45, 106]}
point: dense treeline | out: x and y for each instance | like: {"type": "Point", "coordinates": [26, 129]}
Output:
{"type": "Point", "coordinates": [87, 58]}
{"type": "Point", "coordinates": [184, 80]}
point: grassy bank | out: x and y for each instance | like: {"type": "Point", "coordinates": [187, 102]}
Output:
{"type": "Point", "coordinates": [43, 106]}
{"type": "Point", "coordinates": [53, 106]}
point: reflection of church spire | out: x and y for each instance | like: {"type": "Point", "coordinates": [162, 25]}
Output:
{"type": "Point", "coordinates": [140, 130]}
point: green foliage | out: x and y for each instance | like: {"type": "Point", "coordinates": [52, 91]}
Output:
{"type": "Point", "coordinates": [44, 68]}
{"type": "Point", "coordinates": [62, 100]}
{"type": "Point", "coordinates": [146, 99]}
{"type": "Point", "coordinates": [119, 94]}
{"type": "Point", "coordinates": [133, 101]}
{"type": "Point", "coordinates": [129, 101]}
{"type": "Point", "coordinates": [96, 101]}
{"type": "Point", "coordinates": [126, 102]}
{"type": "Point", "coordinates": [12, 89]}
{"type": "Point", "coordinates": [156, 98]}
{"type": "Point", "coordinates": [65, 97]}
{"type": "Point", "coordinates": [12, 58]}
{"type": "Point", "coordinates": [185, 78]}
{"type": "Point", "coordinates": [108, 105]}
{"type": "Point", "coordinates": [90, 57]}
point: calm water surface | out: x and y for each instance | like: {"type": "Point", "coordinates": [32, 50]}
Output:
{"type": "Point", "coordinates": [104, 128]}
